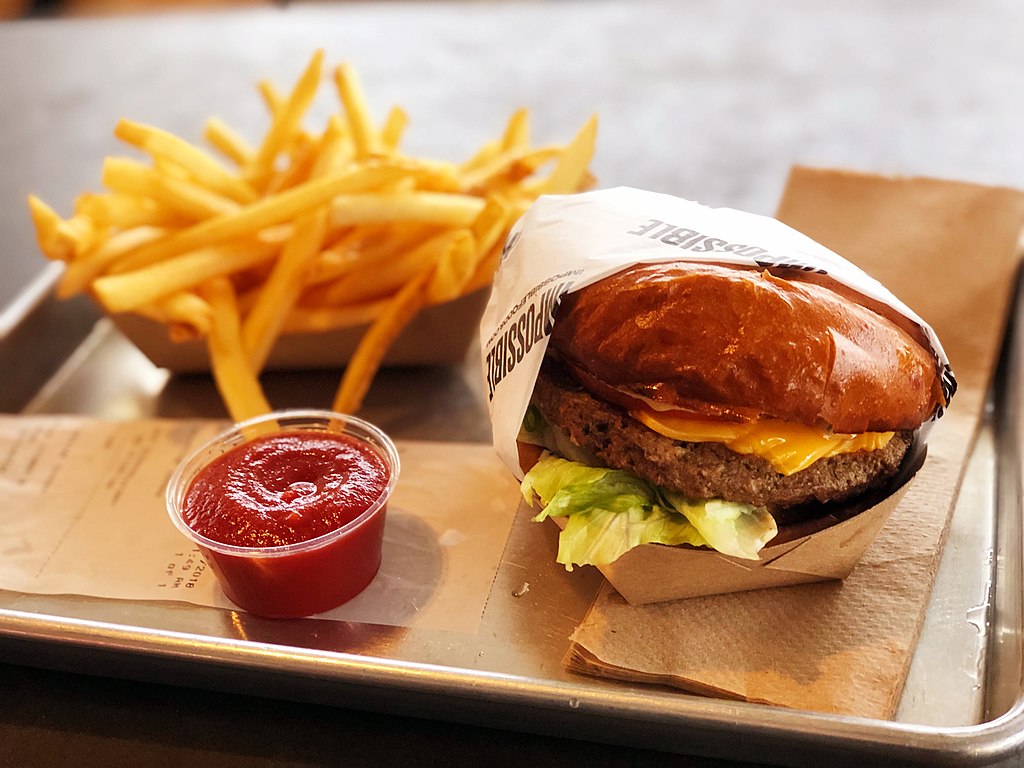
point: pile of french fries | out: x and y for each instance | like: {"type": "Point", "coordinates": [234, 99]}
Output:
{"type": "Point", "coordinates": [303, 232]}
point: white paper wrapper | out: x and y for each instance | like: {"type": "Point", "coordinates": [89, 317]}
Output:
{"type": "Point", "coordinates": [564, 243]}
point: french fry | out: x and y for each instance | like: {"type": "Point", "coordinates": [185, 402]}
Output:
{"type": "Point", "coordinates": [335, 149]}
{"type": "Point", "coordinates": [484, 155]}
{"type": "Point", "coordinates": [366, 360]}
{"type": "Point", "coordinates": [281, 290]}
{"type": "Point", "coordinates": [490, 224]}
{"type": "Point", "coordinates": [112, 210]}
{"type": "Point", "coordinates": [228, 142]}
{"type": "Point", "coordinates": [275, 102]}
{"type": "Point", "coordinates": [189, 315]}
{"type": "Point", "coordinates": [180, 333]}
{"type": "Point", "coordinates": [52, 242]}
{"type": "Point", "coordinates": [273, 99]}
{"type": "Point", "coordinates": [203, 168]}
{"type": "Point", "coordinates": [130, 290]}
{"type": "Point", "coordinates": [130, 177]}
{"type": "Point", "coordinates": [264, 213]}
{"type": "Point", "coordinates": [238, 385]}
{"type": "Point", "coordinates": [286, 119]}
{"type": "Point", "coordinates": [320, 318]}
{"type": "Point", "coordinates": [302, 231]}
{"type": "Point", "coordinates": [303, 157]}
{"type": "Point", "coordinates": [571, 168]}
{"type": "Point", "coordinates": [394, 128]}
{"type": "Point", "coordinates": [359, 246]}
{"type": "Point", "coordinates": [508, 167]}
{"type": "Point", "coordinates": [339, 257]}
{"type": "Point", "coordinates": [485, 268]}
{"type": "Point", "coordinates": [517, 132]}
{"type": "Point", "coordinates": [427, 207]}
{"type": "Point", "coordinates": [186, 315]}
{"type": "Point", "coordinates": [454, 268]}
{"type": "Point", "coordinates": [83, 271]}
{"type": "Point", "coordinates": [367, 141]}
{"type": "Point", "coordinates": [380, 277]}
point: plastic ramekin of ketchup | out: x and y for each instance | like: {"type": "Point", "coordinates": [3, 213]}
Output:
{"type": "Point", "coordinates": [288, 509]}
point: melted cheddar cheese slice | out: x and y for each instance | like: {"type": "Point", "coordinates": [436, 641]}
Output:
{"type": "Point", "coordinates": [786, 446]}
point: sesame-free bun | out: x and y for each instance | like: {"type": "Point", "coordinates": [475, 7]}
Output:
{"type": "Point", "coordinates": [736, 343]}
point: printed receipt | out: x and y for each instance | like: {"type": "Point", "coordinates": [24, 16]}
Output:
{"type": "Point", "coordinates": [83, 513]}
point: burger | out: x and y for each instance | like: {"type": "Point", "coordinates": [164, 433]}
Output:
{"type": "Point", "coordinates": [719, 406]}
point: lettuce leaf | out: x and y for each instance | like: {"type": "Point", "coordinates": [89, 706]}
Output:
{"type": "Point", "coordinates": [731, 527]}
{"type": "Point", "coordinates": [611, 511]}
{"type": "Point", "coordinates": [536, 430]}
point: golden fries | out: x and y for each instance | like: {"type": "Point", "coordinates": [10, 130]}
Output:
{"type": "Point", "coordinates": [286, 119]}
{"type": "Point", "coordinates": [130, 290]}
{"type": "Point", "coordinates": [409, 299]}
{"type": "Point", "coordinates": [195, 162]}
{"type": "Point", "coordinates": [282, 288]}
{"type": "Point", "coordinates": [367, 141]}
{"type": "Point", "coordinates": [237, 382]}
{"type": "Point", "coordinates": [228, 142]}
{"type": "Point", "coordinates": [449, 210]}
{"type": "Point", "coordinates": [302, 231]}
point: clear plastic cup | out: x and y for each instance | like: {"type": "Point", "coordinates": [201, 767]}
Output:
{"type": "Point", "coordinates": [307, 577]}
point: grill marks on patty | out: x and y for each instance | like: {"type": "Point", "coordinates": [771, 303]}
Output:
{"type": "Point", "coordinates": [704, 470]}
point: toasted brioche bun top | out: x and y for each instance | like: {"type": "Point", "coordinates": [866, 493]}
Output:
{"type": "Point", "coordinates": [742, 344]}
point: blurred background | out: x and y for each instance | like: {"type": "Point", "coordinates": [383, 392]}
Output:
{"type": "Point", "coordinates": [18, 9]}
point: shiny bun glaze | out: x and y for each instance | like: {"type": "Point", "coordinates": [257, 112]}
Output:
{"type": "Point", "coordinates": [734, 343]}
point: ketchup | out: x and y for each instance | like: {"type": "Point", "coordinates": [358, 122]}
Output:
{"type": "Point", "coordinates": [284, 488]}
{"type": "Point", "coordinates": [291, 523]}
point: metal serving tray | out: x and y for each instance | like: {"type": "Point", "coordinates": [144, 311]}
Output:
{"type": "Point", "coordinates": [963, 701]}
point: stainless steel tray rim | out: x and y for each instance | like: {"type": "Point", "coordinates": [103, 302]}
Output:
{"type": "Point", "coordinates": [989, 741]}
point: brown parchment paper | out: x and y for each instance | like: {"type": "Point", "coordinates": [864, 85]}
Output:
{"type": "Point", "coordinates": [83, 513]}
{"type": "Point", "coordinates": [949, 250]}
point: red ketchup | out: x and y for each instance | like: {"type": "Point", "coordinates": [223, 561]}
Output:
{"type": "Point", "coordinates": [291, 522]}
